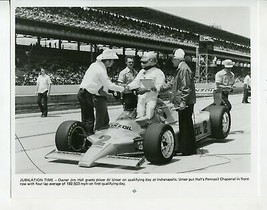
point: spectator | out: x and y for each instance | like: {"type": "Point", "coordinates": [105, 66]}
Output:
{"type": "Point", "coordinates": [43, 88]}
{"type": "Point", "coordinates": [246, 88]}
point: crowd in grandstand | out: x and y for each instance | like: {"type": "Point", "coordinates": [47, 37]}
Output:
{"type": "Point", "coordinates": [97, 19]}
{"type": "Point", "coordinates": [73, 76]}
{"type": "Point", "coordinates": [60, 76]}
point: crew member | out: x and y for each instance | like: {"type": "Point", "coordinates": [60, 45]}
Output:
{"type": "Point", "coordinates": [225, 80]}
{"type": "Point", "coordinates": [93, 92]}
{"type": "Point", "coordinates": [43, 87]}
{"type": "Point", "coordinates": [147, 98]}
{"type": "Point", "coordinates": [128, 74]}
{"type": "Point", "coordinates": [246, 88]}
{"type": "Point", "coordinates": [184, 97]}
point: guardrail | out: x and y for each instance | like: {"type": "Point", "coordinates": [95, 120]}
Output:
{"type": "Point", "coordinates": [65, 97]}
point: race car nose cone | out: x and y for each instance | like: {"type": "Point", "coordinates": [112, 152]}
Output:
{"type": "Point", "coordinates": [95, 152]}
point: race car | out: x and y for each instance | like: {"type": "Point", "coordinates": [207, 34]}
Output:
{"type": "Point", "coordinates": [128, 142]}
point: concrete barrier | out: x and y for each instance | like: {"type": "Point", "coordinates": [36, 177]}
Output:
{"type": "Point", "coordinates": [65, 96]}
{"type": "Point", "coordinates": [55, 90]}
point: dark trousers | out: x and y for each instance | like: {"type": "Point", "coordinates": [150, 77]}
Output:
{"type": "Point", "coordinates": [87, 109]}
{"type": "Point", "coordinates": [226, 101]}
{"type": "Point", "coordinates": [245, 94]}
{"type": "Point", "coordinates": [88, 102]}
{"type": "Point", "coordinates": [42, 102]}
{"type": "Point", "coordinates": [186, 139]}
{"type": "Point", "coordinates": [101, 111]}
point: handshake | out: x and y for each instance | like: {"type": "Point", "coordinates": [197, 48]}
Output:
{"type": "Point", "coordinates": [139, 91]}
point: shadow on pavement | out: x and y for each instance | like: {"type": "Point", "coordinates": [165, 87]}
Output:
{"type": "Point", "coordinates": [172, 161]}
{"type": "Point", "coordinates": [206, 142]}
{"type": "Point", "coordinates": [237, 132]}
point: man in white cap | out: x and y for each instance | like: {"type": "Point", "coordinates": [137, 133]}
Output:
{"type": "Point", "coordinates": [184, 97]}
{"type": "Point", "coordinates": [225, 80]}
{"type": "Point", "coordinates": [147, 98]}
{"type": "Point", "coordinates": [96, 82]}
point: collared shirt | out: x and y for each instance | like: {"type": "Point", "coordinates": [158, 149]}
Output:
{"type": "Point", "coordinates": [96, 77]}
{"type": "Point", "coordinates": [225, 78]}
{"type": "Point", "coordinates": [184, 85]}
{"type": "Point", "coordinates": [43, 83]}
{"type": "Point", "coordinates": [153, 73]}
{"type": "Point", "coordinates": [127, 75]}
{"type": "Point", "coordinates": [247, 81]}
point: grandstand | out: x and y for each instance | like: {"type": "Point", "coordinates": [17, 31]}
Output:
{"type": "Point", "coordinates": [65, 40]}
{"type": "Point", "coordinates": [131, 22]}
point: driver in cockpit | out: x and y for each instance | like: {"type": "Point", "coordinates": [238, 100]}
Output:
{"type": "Point", "coordinates": [147, 97]}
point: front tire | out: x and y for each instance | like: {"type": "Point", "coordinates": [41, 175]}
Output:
{"type": "Point", "coordinates": [159, 143]}
{"type": "Point", "coordinates": [220, 121]}
{"type": "Point", "coordinates": [71, 137]}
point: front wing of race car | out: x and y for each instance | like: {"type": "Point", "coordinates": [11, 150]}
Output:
{"type": "Point", "coordinates": [118, 160]}
{"type": "Point", "coordinates": [108, 147]}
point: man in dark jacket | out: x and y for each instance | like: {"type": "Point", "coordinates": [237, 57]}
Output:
{"type": "Point", "coordinates": [184, 98]}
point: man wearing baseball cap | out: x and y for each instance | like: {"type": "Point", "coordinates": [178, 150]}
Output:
{"type": "Point", "coordinates": [225, 80]}
{"type": "Point", "coordinates": [96, 82]}
{"type": "Point", "coordinates": [184, 97]}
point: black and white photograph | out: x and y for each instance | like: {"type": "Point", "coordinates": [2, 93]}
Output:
{"type": "Point", "coordinates": [127, 100]}
{"type": "Point", "coordinates": [80, 94]}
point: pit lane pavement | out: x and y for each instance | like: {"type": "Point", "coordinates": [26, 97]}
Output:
{"type": "Point", "coordinates": [36, 139]}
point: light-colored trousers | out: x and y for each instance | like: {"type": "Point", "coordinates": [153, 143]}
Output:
{"type": "Point", "coordinates": [146, 104]}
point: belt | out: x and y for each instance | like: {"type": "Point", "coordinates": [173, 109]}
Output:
{"type": "Point", "coordinates": [86, 91]}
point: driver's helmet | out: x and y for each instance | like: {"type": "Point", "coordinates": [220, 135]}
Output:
{"type": "Point", "coordinates": [129, 101]}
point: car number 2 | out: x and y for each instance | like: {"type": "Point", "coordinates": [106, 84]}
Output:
{"type": "Point", "coordinates": [204, 126]}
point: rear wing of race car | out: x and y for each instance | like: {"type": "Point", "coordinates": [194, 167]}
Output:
{"type": "Point", "coordinates": [134, 162]}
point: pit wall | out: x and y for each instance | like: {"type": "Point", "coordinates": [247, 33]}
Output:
{"type": "Point", "coordinates": [25, 98]}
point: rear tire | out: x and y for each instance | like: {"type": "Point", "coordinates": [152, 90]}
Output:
{"type": "Point", "coordinates": [159, 143]}
{"type": "Point", "coordinates": [71, 137]}
{"type": "Point", "coordinates": [220, 121]}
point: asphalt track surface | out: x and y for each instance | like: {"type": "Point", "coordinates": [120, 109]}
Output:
{"type": "Point", "coordinates": [34, 138]}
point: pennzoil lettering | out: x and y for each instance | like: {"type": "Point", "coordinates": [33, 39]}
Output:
{"type": "Point", "coordinates": [117, 125]}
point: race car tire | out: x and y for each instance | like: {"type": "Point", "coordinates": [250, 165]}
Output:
{"type": "Point", "coordinates": [220, 119]}
{"type": "Point", "coordinates": [71, 137]}
{"type": "Point", "coordinates": [159, 143]}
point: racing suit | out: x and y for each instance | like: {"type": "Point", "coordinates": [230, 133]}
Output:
{"type": "Point", "coordinates": [148, 101]}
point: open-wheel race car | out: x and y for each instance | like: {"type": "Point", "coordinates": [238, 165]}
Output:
{"type": "Point", "coordinates": [128, 142]}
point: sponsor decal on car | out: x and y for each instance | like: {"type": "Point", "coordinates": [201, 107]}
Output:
{"type": "Point", "coordinates": [118, 125]}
